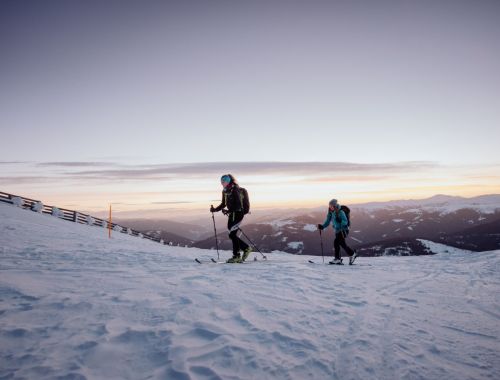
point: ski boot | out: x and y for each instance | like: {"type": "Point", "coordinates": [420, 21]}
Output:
{"type": "Point", "coordinates": [246, 252]}
{"type": "Point", "coordinates": [235, 259]}
{"type": "Point", "coordinates": [353, 257]}
{"type": "Point", "coordinates": [336, 262]}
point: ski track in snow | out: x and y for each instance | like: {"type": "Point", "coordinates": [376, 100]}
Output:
{"type": "Point", "coordinates": [74, 304]}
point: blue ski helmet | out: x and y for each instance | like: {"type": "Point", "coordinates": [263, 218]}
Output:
{"type": "Point", "coordinates": [333, 203]}
{"type": "Point", "coordinates": [225, 178]}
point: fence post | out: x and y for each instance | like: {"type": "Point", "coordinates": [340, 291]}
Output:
{"type": "Point", "coordinates": [74, 216]}
{"type": "Point", "coordinates": [109, 223]}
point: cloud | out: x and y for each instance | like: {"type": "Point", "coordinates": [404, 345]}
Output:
{"type": "Point", "coordinates": [17, 180]}
{"type": "Point", "coordinates": [319, 172]}
{"type": "Point", "coordinates": [197, 170]}
{"type": "Point", "coordinates": [355, 178]}
{"type": "Point", "coordinates": [75, 164]}
{"type": "Point", "coordinates": [171, 203]}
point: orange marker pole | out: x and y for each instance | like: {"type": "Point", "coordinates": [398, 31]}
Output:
{"type": "Point", "coordinates": [109, 223]}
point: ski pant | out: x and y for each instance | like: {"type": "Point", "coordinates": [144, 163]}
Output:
{"type": "Point", "coordinates": [233, 224]}
{"type": "Point", "coordinates": [340, 242]}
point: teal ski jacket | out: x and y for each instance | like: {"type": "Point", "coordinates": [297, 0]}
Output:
{"type": "Point", "coordinates": [338, 220]}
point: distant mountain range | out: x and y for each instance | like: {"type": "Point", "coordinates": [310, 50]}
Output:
{"type": "Point", "coordinates": [170, 231]}
{"type": "Point", "coordinates": [382, 228]}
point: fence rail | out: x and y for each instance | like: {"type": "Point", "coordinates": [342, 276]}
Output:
{"type": "Point", "coordinates": [71, 215]}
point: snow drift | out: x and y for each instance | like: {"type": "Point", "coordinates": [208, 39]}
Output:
{"type": "Point", "coordinates": [75, 304]}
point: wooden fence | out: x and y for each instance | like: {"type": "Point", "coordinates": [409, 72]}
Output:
{"type": "Point", "coordinates": [71, 215]}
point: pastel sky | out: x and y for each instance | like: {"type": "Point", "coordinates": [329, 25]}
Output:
{"type": "Point", "coordinates": [144, 104]}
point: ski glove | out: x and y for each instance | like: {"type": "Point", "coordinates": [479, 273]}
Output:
{"type": "Point", "coordinates": [212, 208]}
{"type": "Point", "coordinates": [320, 227]}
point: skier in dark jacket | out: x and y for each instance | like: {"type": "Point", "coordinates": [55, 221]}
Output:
{"type": "Point", "coordinates": [232, 206]}
{"type": "Point", "coordinates": [339, 222]}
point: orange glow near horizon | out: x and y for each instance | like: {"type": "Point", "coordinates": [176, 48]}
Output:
{"type": "Point", "coordinates": [274, 195]}
{"type": "Point", "coordinates": [270, 190]}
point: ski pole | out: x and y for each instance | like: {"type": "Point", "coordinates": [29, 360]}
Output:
{"type": "Point", "coordinates": [251, 242]}
{"type": "Point", "coordinates": [321, 239]}
{"type": "Point", "coordinates": [215, 231]}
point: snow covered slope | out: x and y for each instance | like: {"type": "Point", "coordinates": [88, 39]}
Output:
{"type": "Point", "coordinates": [445, 204]}
{"type": "Point", "coordinates": [74, 304]}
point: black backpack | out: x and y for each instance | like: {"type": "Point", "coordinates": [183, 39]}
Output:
{"type": "Point", "coordinates": [347, 212]}
{"type": "Point", "coordinates": [245, 201]}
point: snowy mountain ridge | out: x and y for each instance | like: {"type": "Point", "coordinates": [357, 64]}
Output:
{"type": "Point", "coordinates": [445, 204]}
{"type": "Point", "coordinates": [488, 203]}
{"type": "Point", "coordinates": [75, 304]}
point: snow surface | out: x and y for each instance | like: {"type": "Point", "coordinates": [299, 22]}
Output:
{"type": "Point", "coordinates": [299, 245]}
{"type": "Point", "coordinates": [75, 304]}
{"type": "Point", "coordinates": [278, 223]}
{"type": "Point", "coordinates": [311, 227]}
{"type": "Point", "coordinates": [442, 248]}
{"type": "Point", "coordinates": [444, 204]}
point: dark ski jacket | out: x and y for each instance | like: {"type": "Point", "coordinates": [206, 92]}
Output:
{"type": "Point", "coordinates": [231, 199]}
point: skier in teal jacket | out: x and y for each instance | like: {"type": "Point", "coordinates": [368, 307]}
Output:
{"type": "Point", "coordinates": [340, 224]}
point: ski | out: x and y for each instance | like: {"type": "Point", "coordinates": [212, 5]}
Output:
{"type": "Point", "coordinates": [328, 263]}
{"type": "Point", "coordinates": [359, 265]}
{"type": "Point", "coordinates": [351, 265]}
{"type": "Point", "coordinates": [213, 261]}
